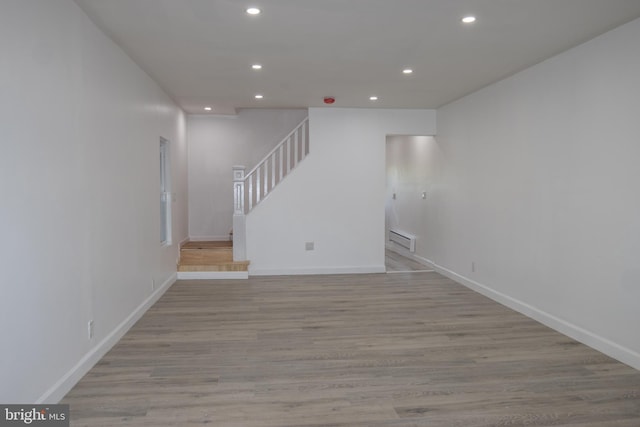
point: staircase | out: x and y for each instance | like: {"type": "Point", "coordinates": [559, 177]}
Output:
{"type": "Point", "coordinates": [251, 188]}
{"type": "Point", "coordinates": [210, 260]}
{"type": "Point", "coordinates": [228, 260]}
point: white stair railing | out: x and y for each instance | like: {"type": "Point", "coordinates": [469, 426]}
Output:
{"type": "Point", "coordinates": [249, 189]}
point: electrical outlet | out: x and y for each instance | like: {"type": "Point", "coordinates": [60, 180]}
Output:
{"type": "Point", "coordinates": [473, 267]}
{"type": "Point", "coordinates": [309, 246]}
{"type": "Point", "coordinates": [153, 284]}
{"type": "Point", "coordinates": [90, 329]}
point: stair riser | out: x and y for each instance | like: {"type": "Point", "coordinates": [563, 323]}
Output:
{"type": "Point", "coordinates": [205, 256]}
{"type": "Point", "coordinates": [216, 267]}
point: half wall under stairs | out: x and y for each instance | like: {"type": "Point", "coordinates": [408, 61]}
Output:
{"type": "Point", "coordinates": [210, 260]}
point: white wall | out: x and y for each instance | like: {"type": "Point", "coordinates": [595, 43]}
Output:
{"type": "Point", "coordinates": [216, 144]}
{"type": "Point", "coordinates": [413, 167]}
{"type": "Point", "coordinates": [79, 176]}
{"type": "Point", "coordinates": [541, 192]}
{"type": "Point", "coordinates": [335, 198]}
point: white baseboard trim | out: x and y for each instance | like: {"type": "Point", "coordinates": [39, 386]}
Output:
{"type": "Point", "coordinates": [603, 345]}
{"type": "Point", "coordinates": [224, 238]}
{"type": "Point", "coordinates": [412, 271]}
{"type": "Point", "coordinates": [183, 241]}
{"type": "Point", "coordinates": [212, 275]}
{"type": "Point", "coordinates": [316, 270]}
{"type": "Point", "coordinates": [71, 378]}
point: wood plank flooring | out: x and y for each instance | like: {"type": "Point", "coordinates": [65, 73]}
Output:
{"type": "Point", "coordinates": [394, 262]}
{"type": "Point", "coordinates": [209, 256]}
{"type": "Point", "coordinates": [392, 350]}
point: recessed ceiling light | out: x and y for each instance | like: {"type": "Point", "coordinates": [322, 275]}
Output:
{"type": "Point", "coordinates": [256, 66]}
{"type": "Point", "coordinates": [373, 98]}
{"type": "Point", "coordinates": [207, 108]}
{"type": "Point", "coordinates": [407, 71]}
{"type": "Point", "coordinates": [253, 11]}
{"type": "Point", "coordinates": [469, 19]}
{"type": "Point", "coordinates": [259, 96]}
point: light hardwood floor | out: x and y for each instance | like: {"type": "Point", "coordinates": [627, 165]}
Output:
{"type": "Point", "coordinates": [397, 350]}
{"type": "Point", "coordinates": [209, 256]}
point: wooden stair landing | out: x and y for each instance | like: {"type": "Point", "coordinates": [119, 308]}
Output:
{"type": "Point", "coordinates": [208, 245]}
{"type": "Point", "coordinates": [209, 257]}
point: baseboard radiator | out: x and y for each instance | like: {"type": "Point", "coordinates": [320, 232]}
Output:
{"type": "Point", "coordinates": [406, 240]}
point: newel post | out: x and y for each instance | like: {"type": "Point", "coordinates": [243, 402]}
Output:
{"type": "Point", "coordinates": [238, 190]}
{"type": "Point", "coordinates": [239, 224]}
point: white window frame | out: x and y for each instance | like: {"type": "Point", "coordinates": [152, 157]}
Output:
{"type": "Point", "coordinates": [165, 193]}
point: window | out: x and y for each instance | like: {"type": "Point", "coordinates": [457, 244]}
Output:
{"type": "Point", "coordinates": [165, 193]}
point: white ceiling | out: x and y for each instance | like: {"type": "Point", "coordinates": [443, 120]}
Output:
{"type": "Point", "coordinates": [201, 51]}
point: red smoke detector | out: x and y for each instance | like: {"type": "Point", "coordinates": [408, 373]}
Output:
{"type": "Point", "coordinates": [329, 100]}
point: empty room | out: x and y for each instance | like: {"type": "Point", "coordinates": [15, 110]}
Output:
{"type": "Point", "coordinates": [320, 213]}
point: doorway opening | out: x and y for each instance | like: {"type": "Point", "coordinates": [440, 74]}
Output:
{"type": "Point", "coordinates": [412, 171]}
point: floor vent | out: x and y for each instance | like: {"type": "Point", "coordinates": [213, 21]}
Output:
{"type": "Point", "coordinates": [405, 240]}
